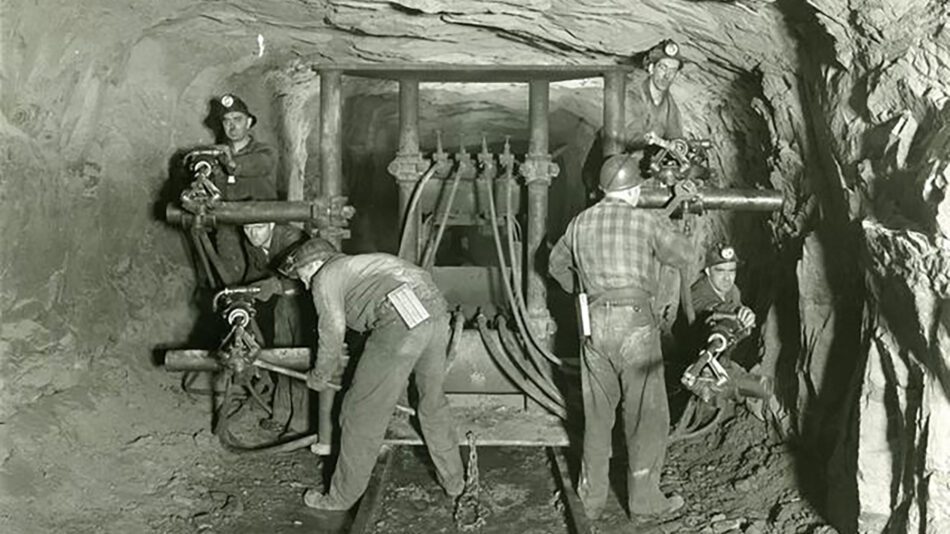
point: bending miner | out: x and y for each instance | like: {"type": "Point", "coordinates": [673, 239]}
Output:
{"type": "Point", "coordinates": [405, 314]}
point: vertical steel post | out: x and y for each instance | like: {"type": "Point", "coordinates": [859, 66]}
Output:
{"type": "Point", "coordinates": [538, 171]}
{"type": "Point", "coordinates": [409, 163]}
{"type": "Point", "coordinates": [615, 92]}
{"type": "Point", "coordinates": [331, 185]}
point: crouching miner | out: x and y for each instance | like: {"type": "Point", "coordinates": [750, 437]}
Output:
{"type": "Point", "coordinates": [615, 250]}
{"type": "Point", "coordinates": [405, 315]}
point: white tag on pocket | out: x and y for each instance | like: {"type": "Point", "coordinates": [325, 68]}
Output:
{"type": "Point", "coordinates": [408, 306]}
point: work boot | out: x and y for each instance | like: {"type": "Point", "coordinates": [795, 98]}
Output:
{"type": "Point", "coordinates": [315, 498]}
{"type": "Point", "coordinates": [660, 507]}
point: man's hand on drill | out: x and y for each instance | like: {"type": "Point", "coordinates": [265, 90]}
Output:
{"type": "Point", "coordinates": [746, 316]}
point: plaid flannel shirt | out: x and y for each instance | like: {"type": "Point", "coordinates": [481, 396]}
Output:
{"type": "Point", "coordinates": [619, 247]}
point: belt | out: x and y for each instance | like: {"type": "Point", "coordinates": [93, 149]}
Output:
{"type": "Point", "coordinates": [624, 296]}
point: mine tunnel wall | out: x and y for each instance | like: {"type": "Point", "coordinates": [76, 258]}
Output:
{"type": "Point", "coordinates": [838, 107]}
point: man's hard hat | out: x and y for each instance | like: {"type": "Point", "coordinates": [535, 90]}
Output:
{"type": "Point", "coordinates": [664, 49]}
{"type": "Point", "coordinates": [721, 253]}
{"type": "Point", "coordinates": [621, 171]}
{"type": "Point", "coordinates": [227, 104]}
{"type": "Point", "coordinates": [311, 250]}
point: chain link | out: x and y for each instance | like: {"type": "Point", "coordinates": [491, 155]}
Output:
{"type": "Point", "coordinates": [469, 514]}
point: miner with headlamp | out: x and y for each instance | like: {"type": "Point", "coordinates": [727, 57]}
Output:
{"type": "Point", "coordinates": [401, 308]}
{"type": "Point", "coordinates": [611, 253]}
{"type": "Point", "coordinates": [716, 291]}
{"type": "Point", "coordinates": [651, 108]}
{"type": "Point", "coordinates": [248, 171]}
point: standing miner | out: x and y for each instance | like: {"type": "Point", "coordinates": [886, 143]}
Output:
{"type": "Point", "coordinates": [248, 172]}
{"type": "Point", "coordinates": [651, 108]}
{"type": "Point", "coordinates": [614, 250]}
{"type": "Point", "coordinates": [404, 312]}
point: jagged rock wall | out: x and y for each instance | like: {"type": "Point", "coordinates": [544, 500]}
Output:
{"type": "Point", "coordinates": [875, 98]}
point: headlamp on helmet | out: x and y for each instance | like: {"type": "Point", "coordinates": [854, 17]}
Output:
{"type": "Point", "coordinates": [721, 253]}
{"type": "Point", "coordinates": [230, 103]}
{"type": "Point", "coordinates": [665, 49]}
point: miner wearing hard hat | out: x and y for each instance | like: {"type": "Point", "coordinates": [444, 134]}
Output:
{"type": "Point", "coordinates": [248, 172]}
{"type": "Point", "coordinates": [716, 290]}
{"type": "Point", "coordinates": [401, 308]}
{"type": "Point", "coordinates": [613, 250]}
{"type": "Point", "coordinates": [250, 165]}
{"type": "Point", "coordinates": [650, 108]}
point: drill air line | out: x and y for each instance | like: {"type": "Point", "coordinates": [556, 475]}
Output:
{"type": "Point", "coordinates": [529, 388]}
{"type": "Point", "coordinates": [512, 300]}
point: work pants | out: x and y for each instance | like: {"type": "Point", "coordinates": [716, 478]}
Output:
{"type": "Point", "coordinates": [291, 396]}
{"type": "Point", "coordinates": [391, 354]}
{"type": "Point", "coordinates": [622, 362]}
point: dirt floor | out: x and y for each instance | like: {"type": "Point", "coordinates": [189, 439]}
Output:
{"type": "Point", "coordinates": [164, 472]}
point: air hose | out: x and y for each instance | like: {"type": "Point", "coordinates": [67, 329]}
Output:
{"type": "Point", "coordinates": [509, 293]}
{"type": "Point", "coordinates": [497, 354]}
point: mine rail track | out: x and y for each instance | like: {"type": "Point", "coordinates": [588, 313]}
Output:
{"type": "Point", "coordinates": [364, 518]}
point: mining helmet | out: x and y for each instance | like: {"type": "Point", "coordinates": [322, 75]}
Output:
{"type": "Point", "coordinates": [721, 253]}
{"type": "Point", "coordinates": [666, 48]}
{"type": "Point", "coordinates": [313, 249]}
{"type": "Point", "coordinates": [621, 171]}
{"type": "Point", "coordinates": [228, 103]}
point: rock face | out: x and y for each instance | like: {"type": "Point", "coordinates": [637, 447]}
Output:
{"type": "Point", "coordinates": [834, 103]}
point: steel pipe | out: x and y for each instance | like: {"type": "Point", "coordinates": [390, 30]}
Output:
{"type": "Point", "coordinates": [331, 178]}
{"type": "Point", "coordinates": [297, 358]}
{"type": "Point", "coordinates": [408, 117]}
{"type": "Point", "coordinates": [253, 211]}
{"type": "Point", "coordinates": [615, 89]}
{"type": "Point", "coordinates": [536, 291]}
{"type": "Point", "coordinates": [716, 199]}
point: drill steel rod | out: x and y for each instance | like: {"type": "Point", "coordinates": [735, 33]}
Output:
{"type": "Point", "coordinates": [715, 199]}
{"type": "Point", "coordinates": [247, 212]}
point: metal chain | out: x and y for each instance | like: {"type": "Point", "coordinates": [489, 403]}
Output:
{"type": "Point", "coordinates": [469, 515]}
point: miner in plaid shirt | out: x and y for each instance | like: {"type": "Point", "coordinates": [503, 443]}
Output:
{"type": "Point", "coordinates": [614, 251]}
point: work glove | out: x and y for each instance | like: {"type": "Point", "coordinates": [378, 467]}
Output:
{"type": "Point", "coordinates": [318, 381]}
{"type": "Point", "coordinates": [746, 317]}
{"type": "Point", "coordinates": [268, 288]}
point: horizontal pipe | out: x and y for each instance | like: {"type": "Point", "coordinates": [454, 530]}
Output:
{"type": "Point", "coordinates": [297, 358]}
{"type": "Point", "coordinates": [716, 199]}
{"type": "Point", "coordinates": [248, 212]}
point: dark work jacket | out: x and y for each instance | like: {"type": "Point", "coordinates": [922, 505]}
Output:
{"type": "Point", "coordinates": [254, 174]}
{"type": "Point", "coordinates": [260, 264]}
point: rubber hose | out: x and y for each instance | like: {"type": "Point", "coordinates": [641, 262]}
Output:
{"type": "Point", "coordinates": [413, 203]}
{"type": "Point", "coordinates": [528, 388]}
{"type": "Point", "coordinates": [509, 294]}
{"type": "Point", "coordinates": [429, 257]}
{"type": "Point", "coordinates": [512, 348]}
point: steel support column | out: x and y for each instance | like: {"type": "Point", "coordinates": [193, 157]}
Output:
{"type": "Point", "coordinates": [538, 171]}
{"type": "Point", "coordinates": [409, 163]}
{"type": "Point", "coordinates": [331, 185]}
{"type": "Point", "coordinates": [615, 90]}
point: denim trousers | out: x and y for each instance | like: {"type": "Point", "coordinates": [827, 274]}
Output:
{"type": "Point", "coordinates": [623, 365]}
{"type": "Point", "coordinates": [393, 353]}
